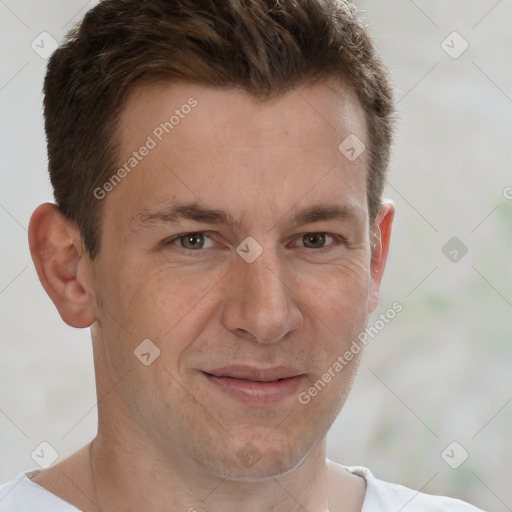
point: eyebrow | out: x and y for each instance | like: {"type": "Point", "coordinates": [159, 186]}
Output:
{"type": "Point", "coordinates": [189, 211]}
{"type": "Point", "coordinates": [324, 212]}
{"type": "Point", "coordinates": [195, 212]}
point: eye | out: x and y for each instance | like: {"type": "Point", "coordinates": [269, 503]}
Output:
{"type": "Point", "coordinates": [193, 241]}
{"type": "Point", "coordinates": [317, 240]}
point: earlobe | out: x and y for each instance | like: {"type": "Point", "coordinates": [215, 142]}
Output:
{"type": "Point", "coordinates": [381, 234]}
{"type": "Point", "coordinates": [55, 246]}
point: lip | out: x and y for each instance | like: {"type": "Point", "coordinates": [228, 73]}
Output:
{"type": "Point", "coordinates": [256, 386]}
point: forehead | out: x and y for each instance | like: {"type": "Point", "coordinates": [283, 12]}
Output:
{"type": "Point", "coordinates": [303, 115]}
{"type": "Point", "coordinates": [224, 148]}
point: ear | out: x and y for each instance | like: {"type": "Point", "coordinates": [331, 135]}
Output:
{"type": "Point", "coordinates": [380, 236]}
{"type": "Point", "coordinates": [56, 248]}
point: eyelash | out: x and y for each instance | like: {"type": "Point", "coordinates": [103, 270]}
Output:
{"type": "Point", "coordinates": [337, 240]}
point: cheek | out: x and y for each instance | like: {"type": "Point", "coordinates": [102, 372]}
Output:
{"type": "Point", "coordinates": [171, 308]}
{"type": "Point", "coordinates": [327, 388]}
{"type": "Point", "coordinates": [338, 293]}
{"type": "Point", "coordinates": [175, 298]}
{"type": "Point", "coordinates": [337, 309]}
{"type": "Point", "coordinates": [155, 302]}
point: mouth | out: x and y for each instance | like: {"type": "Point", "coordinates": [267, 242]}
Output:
{"type": "Point", "coordinates": [256, 386]}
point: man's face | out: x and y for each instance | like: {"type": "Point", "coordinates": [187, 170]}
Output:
{"type": "Point", "coordinates": [228, 328]}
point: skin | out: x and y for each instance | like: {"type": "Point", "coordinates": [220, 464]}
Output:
{"type": "Point", "coordinates": [166, 428]}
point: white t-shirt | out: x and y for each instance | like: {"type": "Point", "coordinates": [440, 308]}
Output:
{"type": "Point", "coordinates": [23, 495]}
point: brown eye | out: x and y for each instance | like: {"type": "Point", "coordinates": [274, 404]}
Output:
{"type": "Point", "coordinates": [315, 240]}
{"type": "Point", "coordinates": [192, 241]}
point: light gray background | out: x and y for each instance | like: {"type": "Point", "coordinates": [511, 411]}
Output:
{"type": "Point", "coordinates": [441, 371]}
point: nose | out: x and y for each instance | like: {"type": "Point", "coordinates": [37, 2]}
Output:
{"type": "Point", "coordinates": [261, 306]}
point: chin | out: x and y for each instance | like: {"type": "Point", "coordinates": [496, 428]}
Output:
{"type": "Point", "coordinates": [260, 456]}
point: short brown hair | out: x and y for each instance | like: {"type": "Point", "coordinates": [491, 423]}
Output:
{"type": "Point", "coordinates": [265, 47]}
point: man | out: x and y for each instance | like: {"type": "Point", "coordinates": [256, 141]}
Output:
{"type": "Point", "coordinates": [218, 171]}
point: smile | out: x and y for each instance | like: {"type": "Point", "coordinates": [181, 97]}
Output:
{"type": "Point", "coordinates": [254, 386]}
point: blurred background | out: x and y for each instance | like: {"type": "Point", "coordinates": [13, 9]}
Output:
{"type": "Point", "coordinates": [432, 407]}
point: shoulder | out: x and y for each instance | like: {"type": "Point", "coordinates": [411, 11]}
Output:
{"type": "Point", "coordinates": [381, 495]}
{"type": "Point", "coordinates": [23, 495]}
